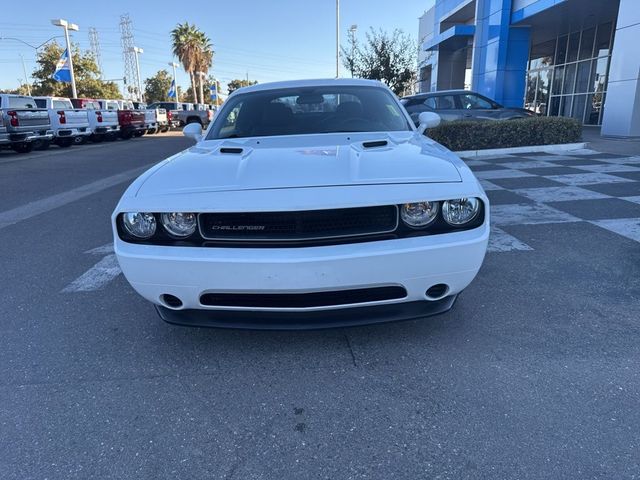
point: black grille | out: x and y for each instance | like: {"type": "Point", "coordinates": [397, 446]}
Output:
{"type": "Point", "coordinates": [298, 226]}
{"type": "Point", "coordinates": [303, 300]}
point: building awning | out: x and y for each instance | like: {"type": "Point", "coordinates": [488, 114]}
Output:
{"type": "Point", "coordinates": [450, 37]}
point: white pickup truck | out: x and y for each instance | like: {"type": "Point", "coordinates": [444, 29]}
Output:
{"type": "Point", "coordinates": [70, 125]}
{"type": "Point", "coordinates": [103, 122]}
{"type": "Point", "coordinates": [22, 124]}
{"type": "Point", "coordinates": [150, 117]}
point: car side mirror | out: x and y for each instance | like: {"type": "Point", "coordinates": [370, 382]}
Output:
{"type": "Point", "coordinates": [193, 130]}
{"type": "Point", "coordinates": [428, 120]}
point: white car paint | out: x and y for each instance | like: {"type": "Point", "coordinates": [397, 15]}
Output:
{"type": "Point", "coordinates": [299, 173]}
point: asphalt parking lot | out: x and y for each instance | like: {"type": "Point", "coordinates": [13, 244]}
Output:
{"type": "Point", "coordinates": [535, 373]}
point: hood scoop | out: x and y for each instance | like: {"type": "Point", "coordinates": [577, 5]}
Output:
{"type": "Point", "coordinates": [375, 144]}
{"type": "Point", "coordinates": [232, 150]}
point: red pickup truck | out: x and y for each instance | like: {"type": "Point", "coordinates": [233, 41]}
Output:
{"type": "Point", "coordinates": [131, 121]}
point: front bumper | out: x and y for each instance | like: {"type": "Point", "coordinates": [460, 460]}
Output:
{"type": "Point", "coordinates": [345, 317]}
{"type": "Point", "coordinates": [415, 264]}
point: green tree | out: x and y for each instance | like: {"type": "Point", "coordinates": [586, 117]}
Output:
{"type": "Point", "coordinates": [233, 85]}
{"type": "Point", "coordinates": [390, 58]}
{"type": "Point", "coordinates": [157, 87]}
{"type": "Point", "coordinates": [88, 82]}
{"type": "Point", "coordinates": [194, 50]}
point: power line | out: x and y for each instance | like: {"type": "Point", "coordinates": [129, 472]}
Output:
{"type": "Point", "coordinates": [95, 48]}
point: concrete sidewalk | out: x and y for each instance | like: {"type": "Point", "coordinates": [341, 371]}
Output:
{"type": "Point", "coordinates": [621, 146]}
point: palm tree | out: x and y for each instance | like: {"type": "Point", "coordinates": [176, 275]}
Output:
{"type": "Point", "coordinates": [204, 61]}
{"type": "Point", "coordinates": [187, 46]}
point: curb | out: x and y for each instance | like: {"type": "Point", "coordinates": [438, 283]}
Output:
{"type": "Point", "coordinates": [565, 147]}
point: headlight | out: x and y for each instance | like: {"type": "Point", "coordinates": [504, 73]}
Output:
{"type": "Point", "coordinates": [419, 215]}
{"type": "Point", "coordinates": [460, 211]}
{"type": "Point", "coordinates": [139, 224]}
{"type": "Point", "coordinates": [179, 224]}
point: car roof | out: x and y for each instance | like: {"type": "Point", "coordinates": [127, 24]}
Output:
{"type": "Point", "coordinates": [327, 82]}
{"type": "Point", "coordinates": [441, 92]}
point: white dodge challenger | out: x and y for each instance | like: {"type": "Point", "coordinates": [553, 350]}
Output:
{"type": "Point", "coordinates": [305, 204]}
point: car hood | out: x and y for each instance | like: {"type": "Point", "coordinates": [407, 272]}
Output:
{"type": "Point", "coordinates": [302, 161]}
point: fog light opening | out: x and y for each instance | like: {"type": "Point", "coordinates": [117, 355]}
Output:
{"type": "Point", "coordinates": [171, 301]}
{"type": "Point", "coordinates": [436, 292]}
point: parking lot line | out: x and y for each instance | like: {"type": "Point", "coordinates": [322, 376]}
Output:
{"type": "Point", "coordinates": [29, 210]}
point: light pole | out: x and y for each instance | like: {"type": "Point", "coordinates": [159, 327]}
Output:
{"type": "Point", "coordinates": [175, 80]}
{"type": "Point", "coordinates": [68, 26]}
{"type": "Point", "coordinates": [26, 79]}
{"type": "Point", "coordinates": [352, 31]}
{"type": "Point", "coordinates": [337, 38]}
{"type": "Point", "coordinates": [138, 50]}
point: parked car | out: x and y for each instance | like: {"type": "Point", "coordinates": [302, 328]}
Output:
{"type": "Point", "coordinates": [22, 124]}
{"type": "Point", "coordinates": [296, 211]}
{"type": "Point", "coordinates": [159, 115]}
{"type": "Point", "coordinates": [102, 122]}
{"type": "Point", "coordinates": [69, 124]}
{"type": "Point", "coordinates": [171, 109]}
{"type": "Point", "coordinates": [131, 121]}
{"type": "Point", "coordinates": [185, 114]}
{"type": "Point", "coordinates": [454, 105]}
{"type": "Point", "coordinates": [150, 117]}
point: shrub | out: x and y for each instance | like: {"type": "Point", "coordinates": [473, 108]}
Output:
{"type": "Point", "coordinates": [522, 132]}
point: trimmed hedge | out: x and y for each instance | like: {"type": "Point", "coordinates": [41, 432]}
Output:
{"type": "Point", "coordinates": [525, 132]}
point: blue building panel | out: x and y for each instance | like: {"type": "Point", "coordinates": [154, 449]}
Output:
{"type": "Point", "coordinates": [533, 9]}
{"type": "Point", "coordinates": [502, 53]}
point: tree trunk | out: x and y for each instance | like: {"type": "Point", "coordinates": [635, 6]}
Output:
{"type": "Point", "coordinates": [193, 87]}
{"type": "Point", "coordinates": [201, 87]}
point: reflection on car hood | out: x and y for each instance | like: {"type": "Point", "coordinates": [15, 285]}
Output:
{"type": "Point", "coordinates": [303, 161]}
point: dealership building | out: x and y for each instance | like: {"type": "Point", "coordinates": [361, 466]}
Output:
{"type": "Point", "coordinates": [573, 58]}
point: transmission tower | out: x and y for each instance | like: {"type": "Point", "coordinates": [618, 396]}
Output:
{"type": "Point", "coordinates": [95, 48]}
{"type": "Point", "coordinates": [128, 55]}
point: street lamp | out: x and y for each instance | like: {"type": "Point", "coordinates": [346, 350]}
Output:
{"type": "Point", "coordinates": [138, 50]}
{"type": "Point", "coordinates": [175, 79]}
{"type": "Point", "coordinates": [337, 38]}
{"type": "Point", "coordinates": [68, 26]}
{"type": "Point", "coordinates": [352, 30]}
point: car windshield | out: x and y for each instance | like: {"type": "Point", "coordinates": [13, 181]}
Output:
{"type": "Point", "coordinates": [309, 110]}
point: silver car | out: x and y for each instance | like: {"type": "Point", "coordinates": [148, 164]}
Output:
{"type": "Point", "coordinates": [454, 105]}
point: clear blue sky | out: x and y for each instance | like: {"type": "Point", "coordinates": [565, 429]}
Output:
{"type": "Point", "coordinates": [270, 39]}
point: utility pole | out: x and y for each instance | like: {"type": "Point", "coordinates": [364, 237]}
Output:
{"type": "Point", "coordinates": [95, 48]}
{"type": "Point", "coordinates": [68, 26]}
{"type": "Point", "coordinates": [175, 80]}
{"type": "Point", "coordinates": [137, 51]}
{"type": "Point", "coordinates": [127, 42]}
{"type": "Point", "coordinates": [26, 79]}
{"type": "Point", "coordinates": [337, 38]}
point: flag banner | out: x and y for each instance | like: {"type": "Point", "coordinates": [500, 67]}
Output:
{"type": "Point", "coordinates": [63, 71]}
{"type": "Point", "coordinates": [172, 90]}
{"type": "Point", "coordinates": [214, 92]}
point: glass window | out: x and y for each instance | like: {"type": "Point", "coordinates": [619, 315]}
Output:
{"type": "Point", "coordinates": [542, 54]}
{"type": "Point", "coordinates": [530, 94]}
{"type": "Point", "coordinates": [603, 40]}
{"type": "Point", "coordinates": [569, 78]}
{"type": "Point", "coordinates": [472, 102]}
{"type": "Point", "coordinates": [445, 102]}
{"type": "Point", "coordinates": [565, 106]}
{"type": "Point", "coordinates": [558, 77]}
{"type": "Point", "coordinates": [574, 46]}
{"type": "Point", "coordinates": [579, 102]}
{"type": "Point", "coordinates": [62, 104]}
{"type": "Point", "coordinates": [309, 110]}
{"type": "Point", "coordinates": [431, 102]}
{"type": "Point", "coordinates": [586, 44]}
{"type": "Point", "coordinates": [22, 102]}
{"type": "Point", "coordinates": [600, 77]}
{"type": "Point", "coordinates": [582, 80]}
{"type": "Point", "coordinates": [561, 51]}
{"type": "Point", "coordinates": [554, 107]}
